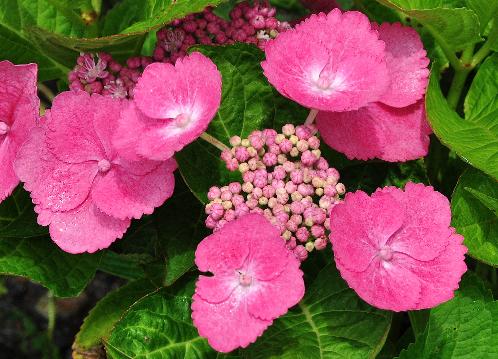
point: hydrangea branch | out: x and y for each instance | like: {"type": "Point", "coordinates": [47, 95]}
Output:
{"type": "Point", "coordinates": [46, 91]}
{"type": "Point", "coordinates": [216, 143]}
{"type": "Point", "coordinates": [311, 117]}
{"type": "Point", "coordinates": [459, 79]}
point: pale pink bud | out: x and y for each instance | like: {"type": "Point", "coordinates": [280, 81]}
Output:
{"type": "Point", "coordinates": [288, 130]}
{"type": "Point", "coordinates": [320, 243]}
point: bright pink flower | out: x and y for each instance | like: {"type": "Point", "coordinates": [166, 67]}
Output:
{"type": "Point", "coordinates": [377, 131]}
{"type": "Point", "coordinates": [256, 279]}
{"type": "Point", "coordinates": [174, 106]}
{"type": "Point", "coordinates": [396, 248]}
{"type": "Point", "coordinates": [407, 64]}
{"type": "Point", "coordinates": [332, 62]}
{"type": "Point", "coordinates": [19, 108]}
{"type": "Point", "coordinates": [395, 128]}
{"type": "Point", "coordinates": [81, 187]}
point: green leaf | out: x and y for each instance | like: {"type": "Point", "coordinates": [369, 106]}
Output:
{"type": "Point", "coordinates": [159, 325]}
{"type": "Point", "coordinates": [455, 27]}
{"type": "Point", "coordinates": [331, 321]}
{"type": "Point", "coordinates": [474, 206]}
{"type": "Point", "coordinates": [474, 140]}
{"type": "Point", "coordinates": [249, 102]}
{"type": "Point", "coordinates": [481, 103]}
{"type": "Point", "coordinates": [465, 327]}
{"type": "Point", "coordinates": [26, 250]}
{"type": "Point", "coordinates": [484, 9]}
{"type": "Point", "coordinates": [98, 324]}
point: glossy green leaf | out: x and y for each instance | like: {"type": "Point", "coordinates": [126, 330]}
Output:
{"type": "Point", "coordinates": [159, 326]}
{"type": "Point", "coordinates": [475, 208]}
{"type": "Point", "coordinates": [474, 140]}
{"type": "Point", "coordinates": [484, 9]}
{"type": "Point", "coordinates": [249, 102]}
{"type": "Point", "coordinates": [102, 318]}
{"type": "Point", "coordinates": [448, 22]}
{"type": "Point", "coordinates": [331, 321]}
{"type": "Point", "coordinates": [464, 328]}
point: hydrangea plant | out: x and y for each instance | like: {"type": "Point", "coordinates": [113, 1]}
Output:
{"type": "Point", "coordinates": [273, 179]}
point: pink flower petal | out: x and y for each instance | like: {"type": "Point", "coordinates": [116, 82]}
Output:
{"type": "Point", "coordinates": [123, 195]}
{"type": "Point", "coordinates": [377, 131]}
{"type": "Point", "coordinates": [84, 229]}
{"type": "Point", "coordinates": [226, 250]}
{"type": "Point", "coordinates": [420, 225]}
{"type": "Point", "coordinates": [418, 266]}
{"type": "Point", "coordinates": [407, 63]}
{"type": "Point", "coordinates": [216, 289]}
{"type": "Point", "coordinates": [19, 108]}
{"type": "Point", "coordinates": [391, 287]}
{"type": "Point", "coordinates": [440, 277]}
{"type": "Point", "coordinates": [53, 184]}
{"type": "Point", "coordinates": [382, 217]}
{"type": "Point", "coordinates": [333, 62]}
{"type": "Point", "coordinates": [185, 98]}
{"type": "Point", "coordinates": [72, 136]}
{"type": "Point", "coordinates": [227, 325]}
{"type": "Point", "coordinates": [273, 299]}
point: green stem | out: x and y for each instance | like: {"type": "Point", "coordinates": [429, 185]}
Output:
{"type": "Point", "coordinates": [51, 314]}
{"type": "Point", "coordinates": [418, 320]}
{"type": "Point", "coordinates": [460, 77]}
{"type": "Point", "coordinates": [486, 48]}
{"type": "Point", "coordinates": [215, 142]}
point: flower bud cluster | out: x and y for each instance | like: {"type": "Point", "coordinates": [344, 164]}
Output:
{"type": "Point", "coordinates": [253, 24]}
{"type": "Point", "coordinates": [103, 75]}
{"type": "Point", "coordinates": [286, 179]}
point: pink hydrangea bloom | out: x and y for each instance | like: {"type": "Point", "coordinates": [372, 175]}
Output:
{"type": "Point", "coordinates": [333, 62]}
{"type": "Point", "coordinates": [407, 64]}
{"type": "Point", "coordinates": [173, 106]}
{"type": "Point", "coordinates": [256, 279]}
{"type": "Point", "coordinates": [394, 251]}
{"type": "Point", "coordinates": [395, 128]}
{"type": "Point", "coordinates": [81, 187]}
{"type": "Point", "coordinates": [377, 131]}
{"type": "Point", "coordinates": [19, 107]}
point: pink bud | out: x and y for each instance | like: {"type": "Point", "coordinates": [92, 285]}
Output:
{"type": "Point", "coordinates": [248, 176]}
{"type": "Point", "coordinates": [226, 196]}
{"type": "Point", "coordinates": [268, 191]}
{"type": "Point", "coordinates": [210, 222]}
{"type": "Point", "coordinates": [300, 252]}
{"type": "Point", "coordinates": [235, 187]}
{"type": "Point", "coordinates": [291, 243]}
{"type": "Point", "coordinates": [291, 226]}
{"type": "Point", "coordinates": [290, 187]}
{"type": "Point", "coordinates": [302, 234]}
{"type": "Point", "coordinates": [308, 158]}
{"type": "Point", "coordinates": [229, 215]}
{"type": "Point", "coordinates": [286, 146]}
{"type": "Point", "coordinates": [314, 142]}
{"type": "Point", "coordinates": [297, 207]}
{"type": "Point", "coordinates": [288, 130]}
{"type": "Point", "coordinates": [214, 192]}
{"type": "Point", "coordinates": [303, 132]}
{"type": "Point", "coordinates": [320, 243]}
{"type": "Point", "coordinates": [241, 154]}
{"type": "Point", "coordinates": [317, 231]}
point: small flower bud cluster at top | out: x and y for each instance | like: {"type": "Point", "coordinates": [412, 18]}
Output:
{"type": "Point", "coordinates": [253, 24]}
{"type": "Point", "coordinates": [103, 75]}
{"type": "Point", "coordinates": [286, 179]}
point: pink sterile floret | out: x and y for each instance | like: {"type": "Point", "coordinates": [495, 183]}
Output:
{"type": "Point", "coordinates": [19, 107]}
{"type": "Point", "coordinates": [396, 248]}
{"type": "Point", "coordinates": [81, 187]}
{"type": "Point", "coordinates": [255, 280]}
{"type": "Point", "coordinates": [333, 62]}
{"type": "Point", "coordinates": [407, 64]}
{"type": "Point", "coordinates": [174, 106]}
{"type": "Point", "coordinates": [377, 131]}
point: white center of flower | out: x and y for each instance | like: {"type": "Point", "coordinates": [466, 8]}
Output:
{"type": "Point", "coordinates": [323, 82]}
{"type": "Point", "coordinates": [4, 128]}
{"type": "Point", "coordinates": [386, 254]}
{"type": "Point", "coordinates": [104, 166]}
{"type": "Point", "coordinates": [182, 120]}
{"type": "Point", "coordinates": [245, 279]}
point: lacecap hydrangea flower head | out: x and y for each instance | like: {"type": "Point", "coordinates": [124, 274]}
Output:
{"type": "Point", "coordinates": [172, 106]}
{"type": "Point", "coordinates": [255, 280]}
{"type": "Point", "coordinates": [368, 82]}
{"type": "Point", "coordinates": [396, 248]}
{"type": "Point", "coordinates": [80, 185]}
{"type": "Point", "coordinates": [19, 111]}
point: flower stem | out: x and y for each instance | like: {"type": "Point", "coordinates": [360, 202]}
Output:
{"type": "Point", "coordinates": [215, 142]}
{"type": "Point", "coordinates": [486, 48]}
{"type": "Point", "coordinates": [51, 314]}
{"type": "Point", "coordinates": [418, 320]}
{"type": "Point", "coordinates": [311, 117]}
{"type": "Point", "coordinates": [46, 91]}
{"type": "Point", "coordinates": [460, 77]}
